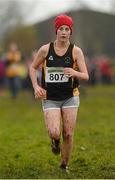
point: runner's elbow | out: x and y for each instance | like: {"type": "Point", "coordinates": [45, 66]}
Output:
{"type": "Point", "coordinates": [87, 77]}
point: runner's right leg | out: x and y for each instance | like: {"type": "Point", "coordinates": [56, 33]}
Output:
{"type": "Point", "coordinates": [52, 121]}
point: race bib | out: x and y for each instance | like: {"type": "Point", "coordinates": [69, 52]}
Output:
{"type": "Point", "coordinates": [55, 75]}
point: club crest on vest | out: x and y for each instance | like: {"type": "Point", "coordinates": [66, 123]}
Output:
{"type": "Point", "coordinates": [67, 60]}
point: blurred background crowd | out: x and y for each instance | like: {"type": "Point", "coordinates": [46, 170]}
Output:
{"type": "Point", "coordinates": [21, 38]}
{"type": "Point", "coordinates": [14, 70]}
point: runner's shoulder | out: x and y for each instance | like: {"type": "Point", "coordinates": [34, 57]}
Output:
{"type": "Point", "coordinates": [77, 48]}
{"type": "Point", "coordinates": [77, 51]}
{"type": "Point", "coordinates": [45, 49]}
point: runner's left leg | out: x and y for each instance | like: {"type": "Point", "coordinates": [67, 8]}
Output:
{"type": "Point", "coordinates": [69, 121]}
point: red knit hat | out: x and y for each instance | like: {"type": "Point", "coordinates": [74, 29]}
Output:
{"type": "Point", "coordinates": [63, 20]}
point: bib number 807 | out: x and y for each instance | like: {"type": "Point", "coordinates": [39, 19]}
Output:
{"type": "Point", "coordinates": [56, 77]}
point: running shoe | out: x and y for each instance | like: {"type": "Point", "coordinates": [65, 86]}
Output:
{"type": "Point", "coordinates": [64, 167]}
{"type": "Point", "coordinates": [55, 144]}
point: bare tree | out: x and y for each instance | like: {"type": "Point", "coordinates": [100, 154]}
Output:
{"type": "Point", "coordinates": [13, 13]}
{"type": "Point", "coordinates": [113, 6]}
{"type": "Point", "coordinates": [10, 16]}
{"type": "Point", "coordinates": [80, 4]}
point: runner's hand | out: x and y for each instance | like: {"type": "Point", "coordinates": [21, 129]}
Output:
{"type": "Point", "coordinates": [69, 72]}
{"type": "Point", "coordinates": [39, 92]}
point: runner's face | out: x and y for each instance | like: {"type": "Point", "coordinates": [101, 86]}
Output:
{"type": "Point", "coordinates": [63, 33]}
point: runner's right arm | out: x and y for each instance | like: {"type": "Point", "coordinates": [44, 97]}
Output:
{"type": "Point", "coordinates": [39, 92]}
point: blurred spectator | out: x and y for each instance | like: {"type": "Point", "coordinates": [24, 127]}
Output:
{"type": "Point", "coordinates": [105, 69]}
{"type": "Point", "coordinates": [92, 69]}
{"type": "Point", "coordinates": [13, 57]}
{"type": "Point", "coordinates": [2, 76]}
{"type": "Point", "coordinates": [27, 82]}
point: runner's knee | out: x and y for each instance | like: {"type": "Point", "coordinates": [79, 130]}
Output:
{"type": "Point", "coordinates": [68, 136]}
{"type": "Point", "coordinates": [54, 133]}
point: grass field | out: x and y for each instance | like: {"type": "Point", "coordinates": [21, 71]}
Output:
{"type": "Point", "coordinates": [25, 148]}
